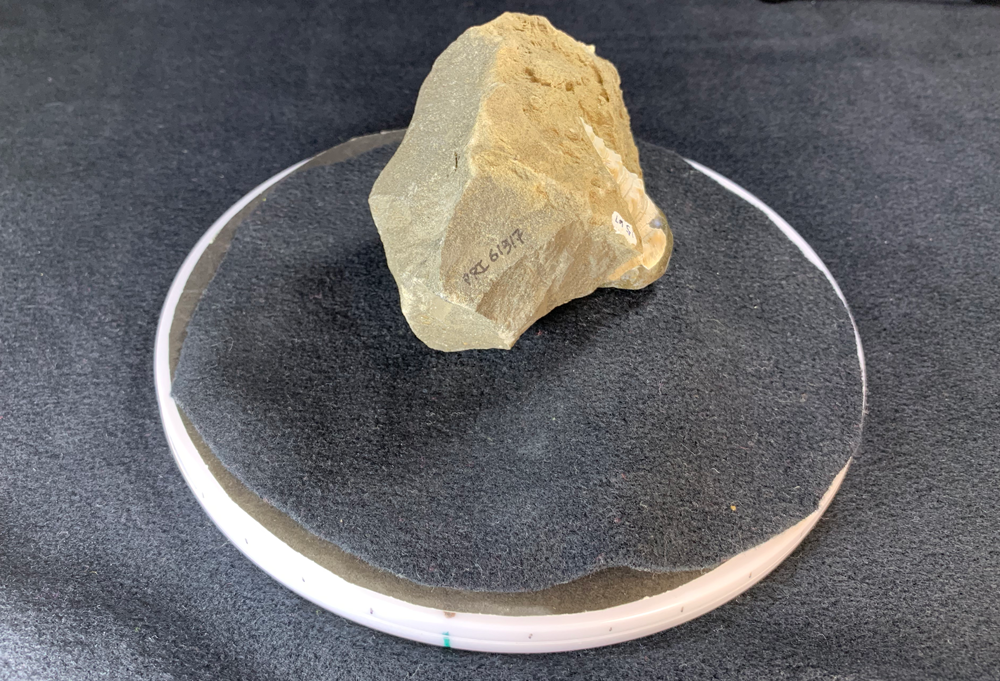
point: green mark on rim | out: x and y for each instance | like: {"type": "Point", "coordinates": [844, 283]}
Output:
{"type": "Point", "coordinates": [447, 641]}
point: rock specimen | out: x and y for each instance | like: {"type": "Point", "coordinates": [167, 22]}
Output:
{"type": "Point", "coordinates": [516, 188]}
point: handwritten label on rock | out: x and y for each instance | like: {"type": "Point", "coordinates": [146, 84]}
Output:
{"type": "Point", "coordinates": [623, 227]}
{"type": "Point", "coordinates": [500, 250]}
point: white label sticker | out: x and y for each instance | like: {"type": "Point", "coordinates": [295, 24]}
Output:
{"type": "Point", "coordinates": [623, 227]}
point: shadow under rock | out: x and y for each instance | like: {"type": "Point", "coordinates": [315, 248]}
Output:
{"type": "Point", "coordinates": [394, 389]}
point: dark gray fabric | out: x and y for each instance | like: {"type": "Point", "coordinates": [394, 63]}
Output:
{"type": "Point", "coordinates": [870, 126]}
{"type": "Point", "coordinates": [619, 431]}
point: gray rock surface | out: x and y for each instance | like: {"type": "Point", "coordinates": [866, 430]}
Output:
{"type": "Point", "coordinates": [516, 189]}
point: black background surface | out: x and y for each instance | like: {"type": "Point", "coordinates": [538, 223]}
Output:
{"type": "Point", "coordinates": [125, 130]}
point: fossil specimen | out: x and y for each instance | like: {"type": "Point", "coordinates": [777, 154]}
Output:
{"type": "Point", "coordinates": [516, 188]}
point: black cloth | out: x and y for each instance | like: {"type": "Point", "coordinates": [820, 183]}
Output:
{"type": "Point", "coordinates": [665, 429]}
{"type": "Point", "coordinates": [126, 129]}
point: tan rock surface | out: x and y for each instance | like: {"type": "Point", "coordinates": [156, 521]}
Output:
{"type": "Point", "coordinates": [516, 188]}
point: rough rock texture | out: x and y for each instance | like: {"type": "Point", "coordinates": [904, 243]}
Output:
{"type": "Point", "coordinates": [516, 189]}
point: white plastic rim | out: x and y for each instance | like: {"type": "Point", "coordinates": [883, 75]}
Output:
{"type": "Point", "coordinates": [468, 631]}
